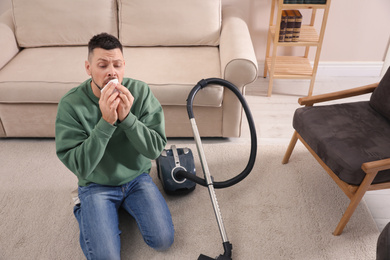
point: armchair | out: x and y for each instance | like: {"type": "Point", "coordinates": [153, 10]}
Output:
{"type": "Point", "coordinates": [351, 141]}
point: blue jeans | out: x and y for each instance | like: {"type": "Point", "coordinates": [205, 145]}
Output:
{"type": "Point", "coordinates": [97, 215]}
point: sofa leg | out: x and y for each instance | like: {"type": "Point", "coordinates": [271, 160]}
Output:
{"type": "Point", "coordinates": [354, 203]}
{"type": "Point", "coordinates": [290, 148]}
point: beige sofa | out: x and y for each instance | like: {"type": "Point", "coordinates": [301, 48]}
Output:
{"type": "Point", "coordinates": [170, 44]}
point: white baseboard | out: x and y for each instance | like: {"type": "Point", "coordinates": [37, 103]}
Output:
{"type": "Point", "coordinates": [343, 69]}
{"type": "Point", "coordinates": [350, 69]}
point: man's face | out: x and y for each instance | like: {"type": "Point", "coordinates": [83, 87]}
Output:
{"type": "Point", "coordinates": [103, 65]}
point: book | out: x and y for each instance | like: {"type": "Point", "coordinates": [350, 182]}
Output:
{"type": "Point", "coordinates": [294, 1]}
{"type": "Point", "coordinates": [315, 2]}
{"type": "Point", "coordinates": [304, 2]}
{"type": "Point", "coordinates": [283, 25]}
{"type": "Point", "coordinates": [297, 25]}
{"type": "Point", "coordinates": [290, 26]}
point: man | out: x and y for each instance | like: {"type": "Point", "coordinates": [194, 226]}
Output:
{"type": "Point", "coordinates": [107, 138]}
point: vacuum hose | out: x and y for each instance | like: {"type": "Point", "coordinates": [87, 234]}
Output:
{"type": "Point", "coordinates": [190, 100]}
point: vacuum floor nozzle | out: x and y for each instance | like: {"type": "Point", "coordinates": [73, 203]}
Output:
{"type": "Point", "coordinates": [220, 257]}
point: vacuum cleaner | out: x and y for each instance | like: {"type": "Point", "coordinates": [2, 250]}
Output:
{"type": "Point", "coordinates": [177, 172]}
{"type": "Point", "coordinates": [169, 163]}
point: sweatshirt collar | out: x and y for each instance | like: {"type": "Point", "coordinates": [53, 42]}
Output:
{"type": "Point", "coordinates": [88, 89]}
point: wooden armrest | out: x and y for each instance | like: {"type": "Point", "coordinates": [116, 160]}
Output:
{"type": "Point", "coordinates": [375, 166]}
{"type": "Point", "coordinates": [309, 101]}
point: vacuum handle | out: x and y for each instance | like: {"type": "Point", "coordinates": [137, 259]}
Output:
{"type": "Point", "coordinates": [175, 156]}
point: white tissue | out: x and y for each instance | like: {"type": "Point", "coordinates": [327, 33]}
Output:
{"type": "Point", "coordinates": [113, 80]}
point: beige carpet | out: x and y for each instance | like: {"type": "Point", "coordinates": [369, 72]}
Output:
{"type": "Point", "coordinates": [278, 212]}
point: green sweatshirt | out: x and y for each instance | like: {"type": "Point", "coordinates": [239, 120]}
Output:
{"type": "Point", "coordinates": [98, 152]}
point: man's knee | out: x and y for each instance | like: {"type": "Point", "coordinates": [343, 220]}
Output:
{"type": "Point", "coordinates": [105, 256]}
{"type": "Point", "coordinates": [163, 241]}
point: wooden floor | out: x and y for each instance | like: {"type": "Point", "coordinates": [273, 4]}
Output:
{"type": "Point", "coordinates": [273, 117]}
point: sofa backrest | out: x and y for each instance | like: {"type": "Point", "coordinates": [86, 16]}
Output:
{"type": "Point", "coordinates": [59, 22]}
{"type": "Point", "coordinates": [169, 22]}
{"type": "Point", "coordinates": [41, 23]}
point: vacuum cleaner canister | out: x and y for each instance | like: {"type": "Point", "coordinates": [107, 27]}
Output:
{"type": "Point", "coordinates": [169, 163]}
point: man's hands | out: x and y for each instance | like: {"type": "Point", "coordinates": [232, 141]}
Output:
{"type": "Point", "coordinates": [115, 105]}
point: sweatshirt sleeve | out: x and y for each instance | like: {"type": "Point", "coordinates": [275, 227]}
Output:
{"type": "Point", "coordinates": [145, 125]}
{"type": "Point", "coordinates": [79, 151]}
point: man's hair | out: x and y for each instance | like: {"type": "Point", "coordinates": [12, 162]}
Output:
{"type": "Point", "coordinates": [105, 41]}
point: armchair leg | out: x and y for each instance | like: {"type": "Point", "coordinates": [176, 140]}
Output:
{"type": "Point", "coordinates": [290, 148]}
{"type": "Point", "coordinates": [355, 200]}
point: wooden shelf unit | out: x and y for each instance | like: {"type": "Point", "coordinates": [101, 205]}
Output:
{"type": "Point", "coordinates": [294, 67]}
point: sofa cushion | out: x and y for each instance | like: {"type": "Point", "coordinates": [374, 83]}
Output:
{"type": "Point", "coordinates": [42, 75]}
{"type": "Point", "coordinates": [169, 22]}
{"type": "Point", "coordinates": [72, 22]}
{"type": "Point", "coordinates": [345, 136]}
{"type": "Point", "coordinates": [381, 96]}
{"type": "Point", "coordinates": [170, 72]}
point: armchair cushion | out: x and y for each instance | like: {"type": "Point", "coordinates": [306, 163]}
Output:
{"type": "Point", "coordinates": [151, 23]}
{"type": "Point", "coordinates": [344, 136]}
{"type": "Point", "coordinates": [54, 23]}
{"type": "Point", "coordinates": [381, 96]}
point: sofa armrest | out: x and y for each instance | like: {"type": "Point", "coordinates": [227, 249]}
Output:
{"type": "Point", "coordinates": [238, 59]}
{"type": "Point", "coordinates": [8, 45]}
{"type": "Point", "coordinates": [238, 65]}
{"type": "Point", "coordinates": [309, 101]}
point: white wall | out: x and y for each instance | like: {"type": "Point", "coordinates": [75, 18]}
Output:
{"type": "Point", "coordinates": [357, 30]}
{"type": "Point", "coordinates": [4, 5]}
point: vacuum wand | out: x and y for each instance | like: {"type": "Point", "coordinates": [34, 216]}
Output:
{"type": "Point", "coordinates": [208, 181]}
{"type": "Point", "coordinates": [213, 196]}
